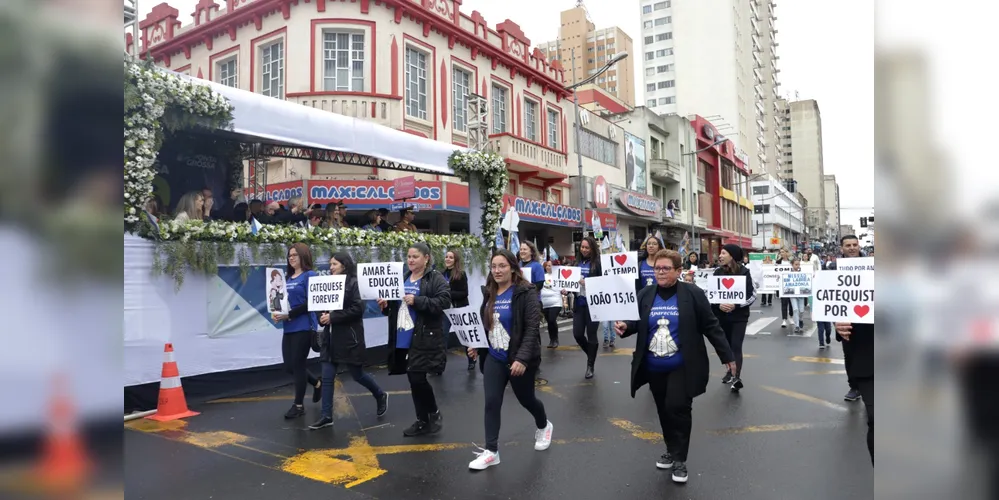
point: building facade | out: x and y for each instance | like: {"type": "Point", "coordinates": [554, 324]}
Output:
{"type": "Point", "coordinates": [831, 188]}
{"type": "Point", "coordinates": [736, 89]}
{"type": "Point", "coordinates": [412, 65]}
{"type": "Point", "coordinates": [593, 48]}
{"type": "Point", "coordinates": [778, 215]}
{"type": "Point", "coordinates": [804, 164]}
{"type": "Point", "coordinates": [723, 181]}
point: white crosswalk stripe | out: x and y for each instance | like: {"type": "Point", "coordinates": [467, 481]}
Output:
{"type": "Point", "coordinates": [757, 325]}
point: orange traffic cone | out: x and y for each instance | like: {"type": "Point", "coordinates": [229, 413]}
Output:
{"type": "Point", "coordinates": [64, 463]}
{"type": "Point", "coordinates": [172, 404]}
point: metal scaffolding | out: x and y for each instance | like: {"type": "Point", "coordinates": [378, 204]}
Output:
{"type": "Point", "coordinates": [131, 9]}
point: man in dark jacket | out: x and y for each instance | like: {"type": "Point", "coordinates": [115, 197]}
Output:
{"type": "Point", "coordinates": [850, 247]}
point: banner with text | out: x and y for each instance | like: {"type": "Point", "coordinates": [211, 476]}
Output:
{"type": "Point", "coordinates": [566, 278]}
{"type": "Point", "coordinates": [726, 289]}
{"type": "Point", "coordinates": [612, 298]}
{"type": "Point", "coordinates": [381, 281]}
{"type": "Point", "coordinates": [843, 296]}
{"type": "Point", "coordinates": [466, 324]}
{"type": "Point", "coordinates": [855, 264]}
{"type": "Point", "coordinates": [326, 292]}
{"type": "Point", "coordinates": [795, 284]}
{"type": "Point", "coordinates": [771, 276]}
{"type": "Point", "coordinates": [701, 277]}
{"type": "Point", "coordinates": [620, 264]}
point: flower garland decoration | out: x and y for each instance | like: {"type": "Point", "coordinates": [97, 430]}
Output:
{"type": "Point", "coordinates": [490, 170]}
{"type": "Point", "coordinates": [156, 101]}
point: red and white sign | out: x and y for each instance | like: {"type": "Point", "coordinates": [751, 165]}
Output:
{"type": "Point", "coordinates": [405, 188]}
{"type": "Point", "coordinates": [601, 193]}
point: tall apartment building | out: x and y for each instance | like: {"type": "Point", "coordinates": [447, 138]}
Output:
{"type": "Point", "coordinates": [717, 59]}
{"type": "Point", "coordinates": [594, 48]}
{"type": "Point", "coordinates": [831, 188]}
{"type": "Point", "coordinates": [803, 163]}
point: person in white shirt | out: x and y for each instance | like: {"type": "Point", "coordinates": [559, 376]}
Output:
{"type": "Point", "coordinates": [813, 260]}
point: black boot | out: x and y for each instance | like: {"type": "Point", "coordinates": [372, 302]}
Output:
{"type": "Point", "coordinates": [589, 372]}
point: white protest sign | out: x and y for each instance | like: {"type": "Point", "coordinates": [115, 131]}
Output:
{"type": "Point", "coordinates": [622, 263]}
{"type": "Point", "coordinates": [771, 276]}
{"type": "Point", "coordinates": [855, 264]}
{"type": "Point", "coordinates": [701, 277]}
{"type": "Point", "coordinates": [326, 292]}
{"type": "Point", "coordinates": [612, 298]}
{"type": "Point", "coordinates": [567, 278]}
{"type": "Point", "coordinates": [795, 284]}
{"type": "Point", "coordinates": [843, 296]}
{"type": "Point", "coordinates": [466, 324]}
{"type": "Point", "coordinates": [381, 281]}
{"type": "Point", "coordinates": [726, 290]}
{"type": "Point", "coordinates": [526, 272]}
{"type": "Point", "coordinates": [276, 293]}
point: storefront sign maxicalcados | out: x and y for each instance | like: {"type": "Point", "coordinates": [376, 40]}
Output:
{"type": "Point", "coordinates": [543, 211]}
{"type": "Point", "coordinates": [639, 204]}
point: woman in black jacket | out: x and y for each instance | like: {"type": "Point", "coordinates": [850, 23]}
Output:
{"type": "Point", "coordinates": [418, 344]}
{"type": "Point", "coordinates": [511, 315]}
{"type": "Point", "coordinates": [670, 354]}
{"type": "Point", "coordinates": [732, 317]}
{"type": "Point", "coordinates": [343, 342]}
{"type": "Point", "coordinates": [583, 329]}
{"type": "Point", "coordinates": [457, 280]}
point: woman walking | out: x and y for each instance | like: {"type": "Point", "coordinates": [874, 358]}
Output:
{"type": "Point", "coordinates": [584, 330]}
{"type": "Point", "coordinates": [511, 315]}
{"type": "Point", "coordinates": [551, 304]}
{"type": "Point", "coordinates": [299, 326]}
{"type": "Point", "coordinates": [454, 274]}
{"type": "Point", "coordinates": [797, 303]}
{"type": "Point", "coordinates": [647, 261]}
{"type": "Point", "coordinates": [343, 343]}
{"type": "Point", "coordinates": [785, 303]}
{"type": "Point", "coordinates": [529, 259]}
{"type": "Point", "coordinates": [416, 333]}
{"type": "Point", "coordinates": [733, 317]}
{"type": "Point", "coordinates": [670, 354]}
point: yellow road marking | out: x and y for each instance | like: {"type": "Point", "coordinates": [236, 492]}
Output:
{"type": "Point", "coordinates": [808, 359]}
{"type": "Point", "coordinates": [547, 389]}
{"type": "Point", "coordinates": [637, 430]}
{"type": "Point", "coordinates": [213, 439]}
{"type": "Point", "coordinates": [804, 397]}
{"type": "Point", "coordinates": [827, 372]}
{"type": "Point", "coordinates": [761, 428]}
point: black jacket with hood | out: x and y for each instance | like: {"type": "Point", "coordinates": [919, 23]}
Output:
{"type": "Point", "coordinates": [525, 337]}
{"type": "Point", "coordinates": [428, 351]}
{"type": "Point", "coordinates": [345, 332]}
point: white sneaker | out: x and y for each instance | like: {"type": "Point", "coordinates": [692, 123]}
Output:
{"type": "Point", "coordinates": [543, 437]}
{"type": "Point", "coordinates": [783, 324]}
{"type": "Point", "coordinates": [484, 459]}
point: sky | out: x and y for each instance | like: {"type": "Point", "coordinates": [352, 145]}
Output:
{"type": "Point", "coordinates": [826, 53]}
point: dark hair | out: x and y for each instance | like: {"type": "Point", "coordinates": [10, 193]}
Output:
{"type": "Point", "coordinates": [405, 211]}
{"type": "Point", "coordinates": [275, 273]}
{"type": "Point", "coordinates": [492, 288]}
{"type": "Point", "coordinates": [458, 271]}
{"type": "Point", "coordinates": [848, 237]}
{"type": "Point", "coordinates": [594, 252]}
{"type": "Point", "coordinates": [694, 254]}
{"type": "Point", "coordinates": [645, 247]}
{"type": "Point", "coordinates": [424, 249]}
{"type": "Point", "coordinates": [372, 216]}
{"type": "Point", "coordinates": [532, 247]}
{"type": "Point", "coordinates": [344, 258]}
{"type": "Point", "coordinates": [304, 257]}
{"type": "Point", "coordinates": [672, 255]}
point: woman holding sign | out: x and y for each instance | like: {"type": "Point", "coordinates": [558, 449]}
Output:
{"type": "Point", "coordinates": [583, 329]}
{"type": "Point", "coordinates": [551, 305]}
{"type": "Point", "coordinates": [344, 342]}
{"type": "Point", "coordinates": [646, 272]}
{"type": "Point", "coordinates": [299, 326]}
{"type": "Point", "coordinates": [530, 266]}
{"type": "Point", "coordinates": [670, 354]}
{"type": "Point", "coordinates": [733, 317]}
{"type": "Point", "coordinates": [454, 273]}
{"type": "Point", "coordinates": [416, 331]}
{"type": "Point", "coordinates": [511, 315]}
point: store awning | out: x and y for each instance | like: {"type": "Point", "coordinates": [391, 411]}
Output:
{"type": "Point", "coordinates": [258, 118]}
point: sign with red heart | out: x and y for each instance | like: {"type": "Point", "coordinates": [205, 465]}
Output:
{"type": "Point", "coordinates": [566, 278]}
{"type": "Point", "coordinates": [728, 282]}
{"type": "Point", "coordinates": [843, 296]}
{"type": "Point", "coordinates": [620, 264]}
{"type": "Point", "coordinates": [727, 290]}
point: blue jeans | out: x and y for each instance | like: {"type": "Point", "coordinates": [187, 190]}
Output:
{"type": "Point", "coordinates": [825, 333]}
{"type": "Point", "coordinates": [359, 375]}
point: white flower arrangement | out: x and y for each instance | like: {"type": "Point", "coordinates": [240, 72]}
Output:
{"type": "Point", "coordinates": [490, 169]}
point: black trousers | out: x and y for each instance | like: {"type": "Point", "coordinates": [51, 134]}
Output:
{"type": "Point", "coordinates": [768, 298]}
{"type": "Point", "coordinates": [866, 388]}
{"type": "Point", "coordinates": [295, 347]}
{"type": "Point", "coordinates": [674, 408]}
{"type": "Point", "coordinates": [551, 315]}
{"type": "Point", "coordinates": [846, 363]}
{"type": "Point", "coordinates": [585, 333]}
{"type": "Point", "coordinates": [495, 378]}
{"type": "Point", "coordinates": [423, 395]}
{"type": "Point", "coordinates": [785, 308]}
{"type": "Point", "coordinates": [735, 333]}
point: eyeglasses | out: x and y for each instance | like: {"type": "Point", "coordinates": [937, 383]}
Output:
{"type": "Point", "coordinates": [659, 269]}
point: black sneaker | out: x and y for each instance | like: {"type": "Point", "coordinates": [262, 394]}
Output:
{"type": "Point", "coordinates": [317, 392]}
{"type": "Point", "coordinates": [436, 422]}
{"type": "Point", "coordinates": [606, 342]}
{"type": "Point", "coordinates": [679, 472]}
{"type": "Point", "coordinates": [853, 395]}
{"type": "Point", "coordinates": [419, 428]}
{"type": "Point", "coordinates": [727, 379]}
{"type": "Point", "coordinates": [382, 404]}
{"type": "Point", "coordinates": [736, 384]}
{"type": "Point", "coordinates": [322, 422]}
{"type": "Point", "coordinates": [665, 461]}
{"type": "Point", "coordinates": [589, 372]}
{"type": "Point", "coordinates": [294, 412]}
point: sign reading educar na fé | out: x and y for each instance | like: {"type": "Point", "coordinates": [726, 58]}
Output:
{"type": "Point", "coordinates": [726, 290]}
{"type": "Point", "coordinates": [843, 296]}
{"type": "Point", "coordinates": [466, 324]}
{"type": "Point", "coordinates": [381, 281]}
{"type": "Point", "coordinates": [326, 292]}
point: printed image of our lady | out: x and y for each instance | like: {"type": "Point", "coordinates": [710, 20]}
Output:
{"type": "Point", "coordinates": [277, 296]}
{"type": "Point", "coordinates": [662, 344]}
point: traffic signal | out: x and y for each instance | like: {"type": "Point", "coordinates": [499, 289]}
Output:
{"type": "Point", "coordinates": [863, 222]}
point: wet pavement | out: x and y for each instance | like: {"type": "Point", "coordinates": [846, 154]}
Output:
{"type": "Point", "coordinates": [789, 434]}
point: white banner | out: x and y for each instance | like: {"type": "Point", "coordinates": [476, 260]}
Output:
{"type": "Point", "coordinates": [726, 289]}
{"type": "Point", "coordinates": [701, 277]}
{"type": "Point", "coordinates": [618, 264]}
{"type": "Point", "coordinates": [855, 264]}
{"type": "Point", "coordinates": [612, 298]}
{"type": "Point", "coordinates": [277, 295]}
{"type": "Point", "coordinates": [326, 292]}
{"type": "Point", "coordinates": [795, 284]}
{"type": "Point", "coordinates": [771, 276]}
{"type": "Point", "coordinates": [381, 281]}
{"type": "Point", "coordinates": [567, 278]}
{"type": "Point", "coordinates": [843, 296]}
{"type": "Point", "coordinates": [467, 325]}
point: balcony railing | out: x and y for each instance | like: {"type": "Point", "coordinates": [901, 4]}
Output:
{"type": "Point", "coordinates": [665, 170]}
{"type": "Point", "coordinates": [533, 154]}
{"type": "Point", "coordinates": [382, 110]}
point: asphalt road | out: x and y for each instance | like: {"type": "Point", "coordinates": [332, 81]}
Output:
{"type": "Point", "coordinates": [788, 435]}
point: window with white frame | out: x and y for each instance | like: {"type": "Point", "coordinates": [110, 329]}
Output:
{"type": "Point", "coordinates": [650, 71]}
{"type": "Point", "coordinates": [649, 56]}
{"type": "Point", "coordinates": [228, 71]}
{"type": "Point", "coordinates": [553, 128]}
{"type": "Point", "coordinates": [662, 5]}
{"type": "Point", "coordinates": [460, 90]}
{"type": "Point", "coordinates": [668, 84]}
{"type": "Point", "coordinates": [499, 109]}
{"type": "Point", "coordinates": [651, 103]}
{"type": "Point", "coordinates": [531, 120]}
{"type": "Point", "coordinates": [662, 21]}
{"type": "Point", "coordinates": [416, 84]}
{"type": "Point", "coordinates": [272, 70]}
{"type": "Point", "coordinates": [647, 25]}
{"type": "Point", "coordinates": [664, 36]}
{"type": "Point", "coordinates": [646, 9]}
{"type": "Point", "coordinates": [597, 148]}
{"type": "Point", "coordinates": [343, 61]}
{"type": "Point", "coordinates": [650, 87]}
{"type": "Point", "coordinates": [648, 40]}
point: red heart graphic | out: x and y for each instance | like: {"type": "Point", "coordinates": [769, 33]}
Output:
{"type": "Point", "coordinates": [861, 310]}
{"type": "Point", "coordinates": [728, 282]}
{"type": "Point", "coordinates": [566, 273]}
{"type": "Point", "coordinates": [620, 259]}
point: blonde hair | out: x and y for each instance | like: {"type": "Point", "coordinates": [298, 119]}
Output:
{"type": "Point", "coordinates": [188, 204]}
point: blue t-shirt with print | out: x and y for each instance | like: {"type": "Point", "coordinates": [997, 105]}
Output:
{"type": "Point", "coordinates": [298, 294]}
{"type": "Point", "coordinates": [646, 274]}
{"type": "Point", "coordinates": [404, 336]}
{"type": "Point", "coordinates": [584, 272]}
{"type": "Point", "coordinates": [537, 273]}
{"type": "Point", "coordinates": [502, 307]}
{"type": "Point", "coordinates": [664, 353]}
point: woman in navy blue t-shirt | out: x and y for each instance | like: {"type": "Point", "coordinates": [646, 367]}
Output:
{"type": "Point", "coordinates": [299, 325]}
{"type": "Point", "coordinates": [583, 329]}
{"type": "Point", "coordinates": [529, 260]}
{"type": "Point", "coordinates": [646, 264]}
